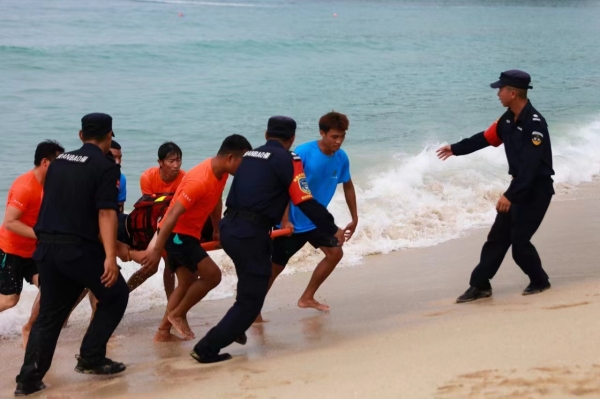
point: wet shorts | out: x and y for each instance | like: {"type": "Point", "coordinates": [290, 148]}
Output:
{"type": "Point", "coordinates": [286, 247]}
{"type": "Point", "coordinates": [13, 269]}
{"type": "Point", "coordinates": [184, 251]}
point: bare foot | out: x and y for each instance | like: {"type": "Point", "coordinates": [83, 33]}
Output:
{"type": "Point", "coordinates": [259, 319]}
{"type": "Point", "coordinates": [166, 336]}
{"type": "Point", "coordinates": [25, 332]}
{"type": "Point", "coordinates": [181, 325]}
{"type": "Point", "coordinates": [311, 303]}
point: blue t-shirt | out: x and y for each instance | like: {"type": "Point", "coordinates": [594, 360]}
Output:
{"type": "Point", "coordinates": [323, 173]}
{"type": "Point", "coordinates": [122, 189]}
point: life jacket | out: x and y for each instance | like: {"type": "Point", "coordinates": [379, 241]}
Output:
{"type": "Point", "coordinates": [143, 221]}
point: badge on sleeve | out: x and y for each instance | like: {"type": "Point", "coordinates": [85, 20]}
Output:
{"type": "Point", "coordinates": [536, 138]}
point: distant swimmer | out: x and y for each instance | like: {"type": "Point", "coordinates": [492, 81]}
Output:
{"type": "Point", "coordinates": [521, 209]}
{"type": "Point", "coordinates": [267, 179]}
{"type": "Point", "coordinates": [326, 165]}
{"type": "Point", "coordinates": [77, 249]}
{"type": "Point", "coordinates": [17, 238]}
{"type": "Point", "coordinates": [197, 198]}
{"type": "Point", "coordinates": [164, 180]}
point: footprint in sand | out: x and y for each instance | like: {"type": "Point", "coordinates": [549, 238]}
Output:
{"type": "Point", "coordinates": [539, 382]}
{"type": "Point", "coordinates": [568, 305]}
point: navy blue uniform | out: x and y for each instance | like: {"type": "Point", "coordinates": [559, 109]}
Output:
{"type": "Point", "coordinates": [529, 154]}
{"type": "Point", "coordinates": [267, 179]}
{"type": "Point", "coordinates": [70, 257]}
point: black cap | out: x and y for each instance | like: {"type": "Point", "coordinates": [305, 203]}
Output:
{"type": "Point", "coordinates": [514, 78]}
{"type": "Point", "coordinates": [281, 126]}
{"type": "Point", "coordinates": [96, 124]}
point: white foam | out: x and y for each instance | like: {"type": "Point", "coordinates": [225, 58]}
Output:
{"type": "Point", "coordinates": [409, 201]}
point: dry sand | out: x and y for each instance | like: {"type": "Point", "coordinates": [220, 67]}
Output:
{"type": "Point", "coordinates": [393, 332]}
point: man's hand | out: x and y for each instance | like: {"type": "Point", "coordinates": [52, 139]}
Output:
{"type": "Point", "coordinates": [503, 205]}
{"type": "Point", "coordinates": [150, 261]}
{"type": "Point", "coordinates": [216, 235]}
{"type": "Point", "coordinates": [444, 152]}
{"type": "Point", "coordinates": [286, 224]}
{"type": "Point", "coordinates": [111, 272]}
{"type": "Point", "coordinates": [123, 252]}
{"type": "Point", "coordinates": [349, 230]}
{"type": "Point", "coordinates": [340, 237]}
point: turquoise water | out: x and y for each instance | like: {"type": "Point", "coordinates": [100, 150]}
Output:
{"type": "Point", "coordinates": [409, 74]}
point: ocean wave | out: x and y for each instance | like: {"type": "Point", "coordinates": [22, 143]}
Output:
{"type": "Point", "coordinates": [410, 201]}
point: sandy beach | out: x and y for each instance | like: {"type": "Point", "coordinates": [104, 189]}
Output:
{"type": "Point", "coordinates": [393, 331]}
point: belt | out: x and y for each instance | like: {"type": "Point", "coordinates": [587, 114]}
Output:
{"type": "Point", "coordinates": [253, 217]}
{"type": "Point", "coordinates": [59, 239]}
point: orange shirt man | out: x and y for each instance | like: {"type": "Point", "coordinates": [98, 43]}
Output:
{"type": "Point", "coordinates": [17, 238]}
{"type": "Point", "coordinates": [197, 197]}
{"type": "Point", "coordinates": [166, 177]}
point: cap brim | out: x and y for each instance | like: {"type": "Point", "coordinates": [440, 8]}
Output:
{"type": "Point", "coordinates": [497, 85]}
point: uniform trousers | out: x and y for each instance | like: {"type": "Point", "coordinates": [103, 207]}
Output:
{"type": "Point", "coordinates": [515, 228]}
{"type": "Point", "coordinates": [66, 270]}
{"type": "Point", "coordinates": [249, 246]}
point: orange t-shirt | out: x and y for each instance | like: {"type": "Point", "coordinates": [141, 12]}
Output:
{"type": "Point", "coordinates": [25, 194]}
{"type": "Point", "coordinates": [199, 193]}
{"type": "Point", "coordinates": [151, 183]}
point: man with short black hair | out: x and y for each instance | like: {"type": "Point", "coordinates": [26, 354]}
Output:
{"type": "Point", "coordinates": [197, 197]}
{"type": "Point", "coordinates": [77, 249]}
{"type": "Point", "coordinates": [521, 209]}
{"type": "Point", "coordinates": [160, 180]}
{"type": "Point", "coordinates": [17, 238]}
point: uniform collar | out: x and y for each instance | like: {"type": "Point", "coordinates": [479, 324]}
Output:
{"type": "Point", "coordinates": [524, 112]}
{"type": "Point", "coordinates": [90, 146]}
{"type": "Point", "coordinates": [273, 143]}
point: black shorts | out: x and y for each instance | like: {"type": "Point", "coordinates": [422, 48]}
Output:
{"type": "Point", "coordinates": [184, 251]}
{"type": "Point", "coordinates": [286, 247]}
{"type": "Point", "coordinates": [13, 269]}
{"type": "Point", "coordinates": [122, 234]}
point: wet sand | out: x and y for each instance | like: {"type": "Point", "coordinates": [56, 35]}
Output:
{"type": "Point", "coordinates": [393, 331]}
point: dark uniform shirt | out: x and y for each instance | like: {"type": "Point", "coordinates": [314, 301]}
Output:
{"type": "Point", "coordinates": [268, 177]}
{"type": "Point", "coordinates": [527, 145]}
{"type": "Point", "coordinates": [78, 184]}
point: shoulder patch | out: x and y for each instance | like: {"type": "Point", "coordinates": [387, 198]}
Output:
{"type": "Point", "coordinates": [536, 138]}
{"type": "Point", "coordinates": [73, 158]}
{"type": "Point", "coordinates": [295, 156]}
{"type": "Point", "coordinates": [258, 154]}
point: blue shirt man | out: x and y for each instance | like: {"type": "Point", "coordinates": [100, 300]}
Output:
{"type": "Point", "coordinates": [326, 165]}
{"type": "Point", "coordinates": [117, 155]}
{"type": "Point", "coordinates": [323, 173]}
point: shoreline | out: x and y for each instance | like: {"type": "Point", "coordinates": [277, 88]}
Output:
{"type": "Point", "coordinates": [393, 328]}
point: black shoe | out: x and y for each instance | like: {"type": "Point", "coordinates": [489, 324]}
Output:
{"type": "Point", "coordinates": [242, 339]}
{"type": "Point", "coordinates": [219, 357]}
{"type": "Point", "coordinates": [473, 294]}
{"type": "Point", "coordinates": [27, 388]}
{"type": "Point", "coordinates": [104, 367]}
{"type": "Point", "coordinates": [536, 288]}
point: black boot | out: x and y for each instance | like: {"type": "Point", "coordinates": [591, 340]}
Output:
{"type": "Point", "coordinates": [210, 358]}
{"type": "Point", "coordinates": [537, 288]}
{"type": "Point", "coordinates": [27, 388]}
{"type": "Point", "coordinates": [473, 294]}
{"type": "Point", "coordinates": [103, 367]}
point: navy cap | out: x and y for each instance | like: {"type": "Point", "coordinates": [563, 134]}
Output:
{"type": "Point", "coordinates": [96, 124]}
{"type": "Point", "coordinates": [514, 78]}
{"type": "Point", "coordinates": [281, 126]}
